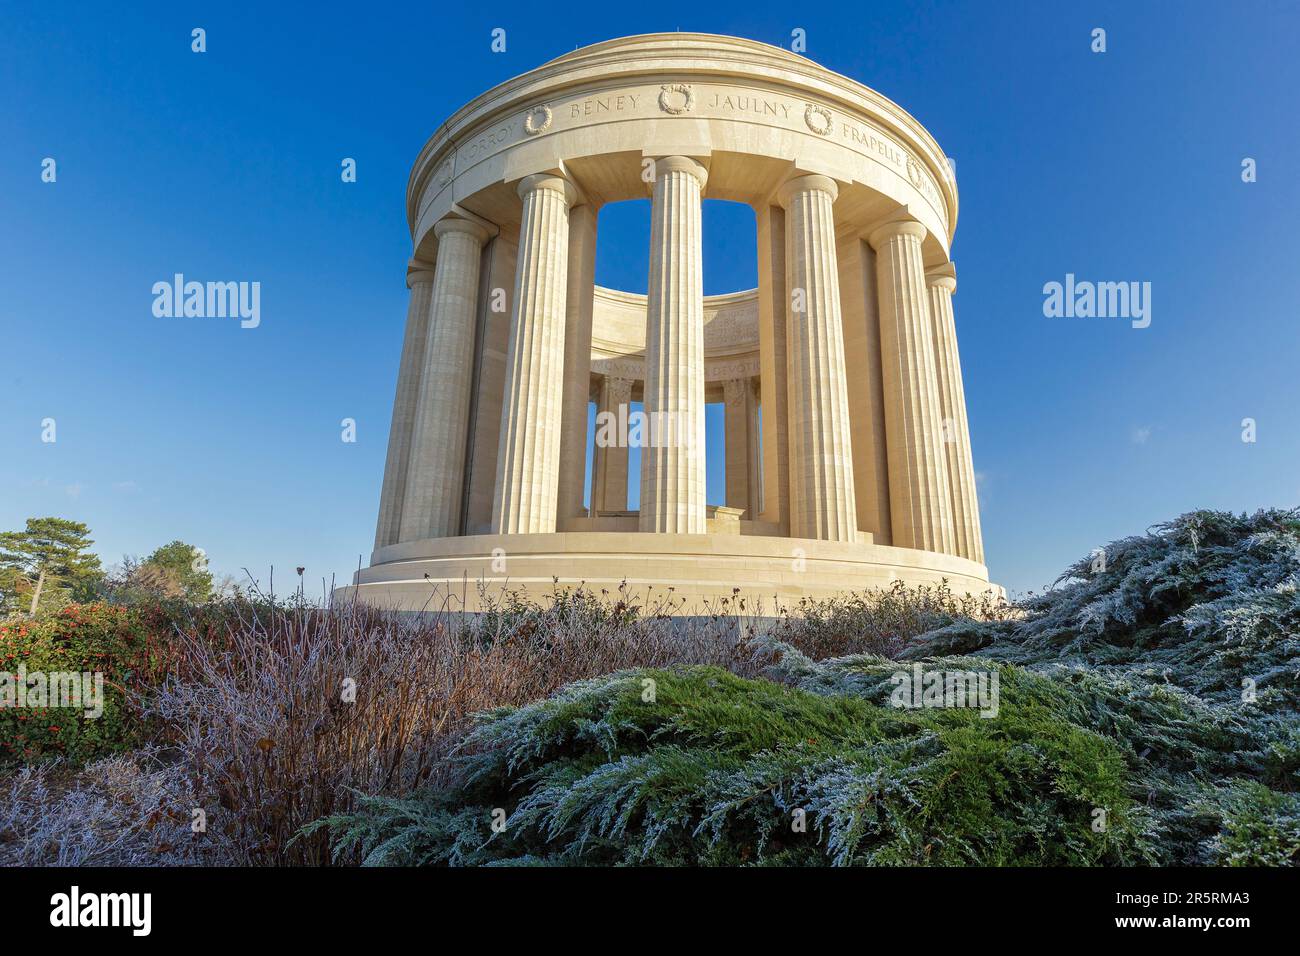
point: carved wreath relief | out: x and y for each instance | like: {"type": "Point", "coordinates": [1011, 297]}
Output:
{"type": "Point", "coordinates": [818, 119]}
{"type": "Point", "coordinates": [915, 174]}
{"type": "Point", "coordinates": [538, 120]}
{"type": "Point", "coordinates": [676, 98]}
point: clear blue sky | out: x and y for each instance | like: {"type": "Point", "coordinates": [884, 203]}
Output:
{"type": "Point", "coordinates": [1116, 166]}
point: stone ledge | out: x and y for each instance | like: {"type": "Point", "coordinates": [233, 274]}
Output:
{"type": "Point", "coordinates": [700, 570]}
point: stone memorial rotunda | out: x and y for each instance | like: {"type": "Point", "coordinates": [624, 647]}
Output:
{"type": "Point", "coordinates": [847, 453]}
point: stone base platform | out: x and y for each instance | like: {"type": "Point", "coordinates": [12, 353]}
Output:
{"type": "Point", "coordinates": [455, 574]}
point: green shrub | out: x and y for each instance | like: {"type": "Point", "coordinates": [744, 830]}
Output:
{"type": "Point", "coordinates": [1258, 826]}
{"type": "Point", "coordinates": [716, 769]}
{"type": "Point", "coordinates": [97, 639]}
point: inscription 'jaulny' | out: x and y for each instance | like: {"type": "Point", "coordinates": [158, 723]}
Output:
{"type": "Point", "coordinates": [750, 104]}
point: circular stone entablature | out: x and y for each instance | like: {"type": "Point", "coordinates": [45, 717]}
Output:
{"type": "Point", "coordinates": [752, 113]}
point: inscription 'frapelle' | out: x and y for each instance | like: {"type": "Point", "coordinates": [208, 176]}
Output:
{"type": "Point", "coordinates": [873, 143]}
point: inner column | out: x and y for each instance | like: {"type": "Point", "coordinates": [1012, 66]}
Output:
{"type": "Point", "coordinates": [609, 464]}
{"type": "Point", "coordinates": [741, 446]}
{"type": "Point", "coordinates": [577, 359]}
{"type": "Point", "coordinates": [672, 464]}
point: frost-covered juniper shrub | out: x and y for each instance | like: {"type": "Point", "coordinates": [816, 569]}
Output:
{"type": "Point", "coordinates": [1148, 714]}
{"type": "Point", "coordinates": [1209, 601]}
{"type": "Point", "coordinates": [717, 769]}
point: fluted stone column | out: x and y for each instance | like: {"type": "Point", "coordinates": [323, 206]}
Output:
{"type": "Point", "coordinates": [672, 464]}
{"type": "Point", "coordinates": [436, 473]}
{"type": "Point", "coordinates": [919, 497]}
{"type": "Point", "coordinates": [610, 458]}
{"type": "Point", "coordinates": [773, 307]}
{"type": "Point", "coordinates": [419, 279]}
{"type": "Point", "coordinates": [528, 457]}
{"type": "Point", "coordinates": [579, 304]}
{"type": "Point", "coordinates": [861, 307]}
{"type": "Point", "coordinates": [742, 446]}
{"type": "Point", "coordinates": [942, 282]}
{"type": "Point", "coordinates": [822, 500]}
